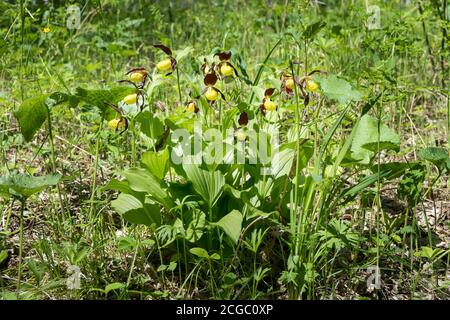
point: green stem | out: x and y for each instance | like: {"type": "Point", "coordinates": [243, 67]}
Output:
{"type": "Point", "coordinates": [53, 161]}
{"type": "Point", "coordinates": [132, 265]}
{"type": "Point", "coordinates": [179, 87]}
{"type": "Point", "coordinates": [210, 220]}
{"type": "Point", "coordinates": [8, 217]}
{"type": "Point", "coordinates": [94, 174]}
{"type": "Point", "coordinates": [22, 32]}
{"type": "Point", "coordinates": [260, 70]}
{"type": "Point", "coordinates": [297, 150]}
{"type": "Point", "coordinates": [19, 276]}
{"type": "Point", "coordinates": [161, 260]}
{"type": "Point", "coordinates": [133, 144]}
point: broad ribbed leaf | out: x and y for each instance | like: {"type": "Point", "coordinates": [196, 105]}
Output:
{"type": "Point", "coordinates": [181, 54]}
{"type": "Point", "coordinates": [207, 184]}
{"type": "Point", "coordinates": [141, 180]}
{"type": "Point", "coordinates": [199, 252]}
{"type": "Point", "coordinates": [282, 163]}
{"type": "Point", "coordinates": [151, 126]}
{"type": "Point", "coordinates": [134, 211]}
{"type": "Point", "coordinates": [123, 187]}
{"type": "Point", "coordinates": [434, 154]}
{"type": "Point", "coordinates": [157, 162]}
{"type": "Point", "coordinates": [231, 224]}
{"type": "Point", "coordinates": [34, 111]}
{"type": "Point", "coordinates": [113, 286]}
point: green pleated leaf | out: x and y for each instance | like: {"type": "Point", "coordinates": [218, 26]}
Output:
{"type": "Point", "coordinates": [134, 211]}
{"type": "Point", "coordinates": [199, 252]}
{"type": "Point", "coordinates": [231, 224]}
{"type": "Point", "coordinates": [113, 286]}
{"type": "Point", "coordinates": [181, 54]}
{"type": "Point", "coordinates": [434, 154]}
{"type": "Point", "coordinates": [282, 163]}
{"type": "Point", "coordinates": [151, 125]}
{"type": "Point", "coordinates": [208, 184]}
{"type": "Point", "coordinates": [157, 162]}
{"type": "Point", "coordinates": [141, 180]}
{"type": "Point", "coordinates": [123, 187]}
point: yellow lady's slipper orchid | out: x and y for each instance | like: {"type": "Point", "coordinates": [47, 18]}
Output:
{"type": "Point", "coordinates": [130, 99]}
{"type": "Point", "coordinates": [269, 105]}
{"type": "Point", "coordinates": [115, 124]}
{"type": "Point", "coordinates": [289, 83]}
{"type": "Point", "coordinates": [164, 65]}
{"type": "Point", "coordinates": [190, 107]}
{"type": "Point", "coordinates": [136, 77]}
{"type": "Point", "coordinates": [311, 86]}
{"type": "Point", "coordinates": [226, 70]}
{"type": "Point", "coordinates": [211, 94]}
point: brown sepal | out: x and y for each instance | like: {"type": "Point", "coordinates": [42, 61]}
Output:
{"type": "Point", "coordinates": [306, 100]}
{"type": "Point", "coordinates": [139, 69]}
{"type": "Point", "coordinates": [317, 71]}
{"type": "Point", "coordinates": [116, 108]}
{"type": "Point", "coordinates": [210, 79]}
{"type": "Point", "coordinates": [262, 109]}
{"type": "Point", "coordinates": [164, 48]}
{"type": "Point", "coordinates": [123, 119]}
{"type": "Point", "coordinates": [243, 119]}
{"type": "Point", "coordinates": [224, 56]}
{"type": "Point", "coordinates": [221, 94]}
{"type": "Point", "coordinates": [269, 92]}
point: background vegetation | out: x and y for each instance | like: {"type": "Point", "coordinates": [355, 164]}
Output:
{"type": "Point", "coordinates": [364, 181]}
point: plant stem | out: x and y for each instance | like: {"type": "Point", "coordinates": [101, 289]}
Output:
{"type": "Point", "coordinates": [22, 32]}
{"type": "Point", "coordinates": [19, 276]}
{"type": "Point", "coordinates": [133, 144]}
{"type": "Point", "coordinates": [260, 70]}
{"type": "Point", "coordinates": [53, 161]}
{"type": "Point", "coordinates": [132, 265]}
{"type": "Point", "coordinates": [297, 151]}
{"type": "Point", "coordinates": [210, 220]}
{"type": "Point", "coordinates": [427, 40]}
{"type": "Point", "coordinates": [94, 174]}
{"type": "Point", "coordinates": [179, 88]}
